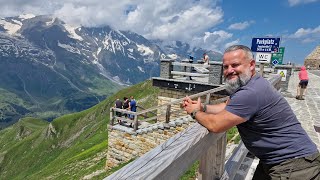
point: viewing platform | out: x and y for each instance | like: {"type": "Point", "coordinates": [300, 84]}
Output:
{"type": "Point", "coordinates": [174, 141]}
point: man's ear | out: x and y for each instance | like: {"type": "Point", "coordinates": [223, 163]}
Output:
{"type": "Point", "coordinates": [252, 64]}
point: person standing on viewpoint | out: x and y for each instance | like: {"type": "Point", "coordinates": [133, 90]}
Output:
{"type": "Point", "coordinates": [126, 105]}
{"type": "Point", "coordinates": [265, 121]}
{"type": "Point", "coordinates": [118, 104]}
{"type": "Point", "coordinates": [133, 107]}
{"type": "Point", "coordinates": [205, 59]}
{"type": "Point", "coordinates": [302, 86]}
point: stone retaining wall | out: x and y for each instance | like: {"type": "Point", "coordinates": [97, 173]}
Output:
{"type": "Point", "coordinates": [124, 144]}
{"type": "Point", "coordinates": [312, 61]}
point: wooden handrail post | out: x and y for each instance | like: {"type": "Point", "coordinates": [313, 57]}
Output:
{"type": "Point", "coordinates": [168, 113]}
{"type": "Point", "coordinates": [261, 68]}
{"type": "Point", "coordinates": [208, 98]}
{"type": "Point", "coordinates": [135, 122]}
{"type": "Point", "coordinates": [212, 162]}
{"type": "Point", "coordinates": [111, 116]}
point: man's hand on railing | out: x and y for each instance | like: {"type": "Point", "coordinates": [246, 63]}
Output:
{"type": "Point", "coordinates": [190, 105]}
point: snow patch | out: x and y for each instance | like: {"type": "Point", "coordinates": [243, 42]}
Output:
{"type": "Point", "coordinates": [130, 50]}
{"type": "Point", "coordinates": [49, 23]}
{"type": "Point", "coordinates": [130, 56]}
{"type": "Point", "coordinates": [95, 60]}
{"type": "Point", "coordinates": [26, 16]}
{"type": "Point", "coordinates": [172, 56]}
{"type": "Point", "coordinates": [145, 50]}
{"type": "Point", "coordinates": [117, 31]}
{"type": "Point", "coordinates": [72, 32]}
{"type": "Point", "coordinates": [17, 22]}
{"type": "Point", "coordinates": [99, 50]}
{"type": "Point", "coordinates": [11, 28]}
{"type": "Point", "coordinates": [69, 48]}
{"type": "Point", "coordinates": [141, 69]}
{"type": "Point", "coordinates": [106, 45]}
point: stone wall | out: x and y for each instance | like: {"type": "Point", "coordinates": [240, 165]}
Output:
{"type": "Point", "coordinates": [215, 72]}
{"type": "Point", "coordinates": [312, 61]}
{"type": "Point", "coordinates": [124, 144]}
{"type": "Point", "coordinates": [165, 68]}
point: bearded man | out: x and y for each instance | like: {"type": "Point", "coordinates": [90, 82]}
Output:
{"type": "Point", "coordinates": [265, 121]}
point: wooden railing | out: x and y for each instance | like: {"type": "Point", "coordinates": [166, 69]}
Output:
{"type": "Point", "coordinates": [172, 158]}
{"type": "Point", "coordinates": [164, 111]}
{"type": "Point", "coordinates": [191, 70]}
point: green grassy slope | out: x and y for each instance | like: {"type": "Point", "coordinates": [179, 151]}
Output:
{"type": "Point", "coordinates": [71, 147]}
{"type": "Point", "coordinates": [47, 100]}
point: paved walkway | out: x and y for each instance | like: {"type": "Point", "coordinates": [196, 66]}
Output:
{"type": "Point", "coordinates": [308, 110]}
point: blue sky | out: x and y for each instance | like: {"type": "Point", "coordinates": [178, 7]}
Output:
{"type": "Point", "coordinates": [210, 24]}
{"type": "Point", "coordinates": [298, 24]}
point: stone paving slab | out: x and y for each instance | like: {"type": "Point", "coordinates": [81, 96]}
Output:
{"type": "Point", "coordinates": [308, 110]}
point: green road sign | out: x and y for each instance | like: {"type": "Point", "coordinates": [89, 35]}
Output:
{"type": "Point", "coordinates": [278, 57]}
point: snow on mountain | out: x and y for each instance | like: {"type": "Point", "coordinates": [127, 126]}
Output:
{"type": "Point", "coordinates": [145, 51]}
{"type": "Point", "coordinates": [10, 27]}
{"type": "Point", "coordinates": [72, 32]}
{"type": "Point", "coordinates": [44, 60]}
{"type": "Point", "coordinates": [108, 51]}
{"type": "Point", "coordinates": [180, 50]}
{"type": "Point", "coordinates": [49, 23]}
{"type": "Point", "coordinates": [172, 56]}
{"type": "Point", "coordinates": [26, 16]}
{"type": "Point", "coordinates": [141, 69]}
{"type": "Point", "coordinates": [69, 48]}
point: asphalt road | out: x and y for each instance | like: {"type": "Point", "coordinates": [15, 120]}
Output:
{"type": "Point", "coordinates": [315, 72]}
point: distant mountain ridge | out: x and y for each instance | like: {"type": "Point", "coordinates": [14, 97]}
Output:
{"type": "Point", "coordinates": [52, 68]}
{"type": "Point", "coordinates": [182, 50]}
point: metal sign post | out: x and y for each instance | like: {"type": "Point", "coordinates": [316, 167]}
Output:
{"type": "Point", "coordinates": [262, 58]}
{"type": "Point", "coordinates": [277, 57]}
{"type": "Point", "coordinates": [261, 67]}
{"type": "Point", "coordinates": [263, 47]}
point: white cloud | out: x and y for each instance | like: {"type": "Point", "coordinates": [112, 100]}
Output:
{"type": "Point", "coordinates": [297, 2]}
{"type": "Point", "coordinates": [308, 40]}
{"type": "Point", "coordinates": [240, 25]}
{"type": "Point", "coordinates": [184, 20]}
{"type": "Point", "coordinates": [212, 40]}
{"type": "Point", "coordinates": [301, 33]}
{"type": "Point", "coordinates": [18, 7]}
{"type": "Point", "coordinates": [305, 35]}
{"type": "Point", "coordinates": [232, 43]}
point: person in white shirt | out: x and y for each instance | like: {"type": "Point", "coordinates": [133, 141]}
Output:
{"type": "Point", "coordinates": [205, 59]}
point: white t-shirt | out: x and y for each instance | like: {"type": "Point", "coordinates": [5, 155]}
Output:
{"type": "Point", "coordinates": [206, 59]}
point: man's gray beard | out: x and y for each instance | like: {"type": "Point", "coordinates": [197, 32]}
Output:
{"type": "Point", "coordinates": [233, 85]}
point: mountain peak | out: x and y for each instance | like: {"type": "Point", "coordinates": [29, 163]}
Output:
{"type": "Point", "coordinates": [26, 16]}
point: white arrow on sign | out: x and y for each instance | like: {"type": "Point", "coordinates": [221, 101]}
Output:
{"type": "Point", "coordinates": [263, 57]}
